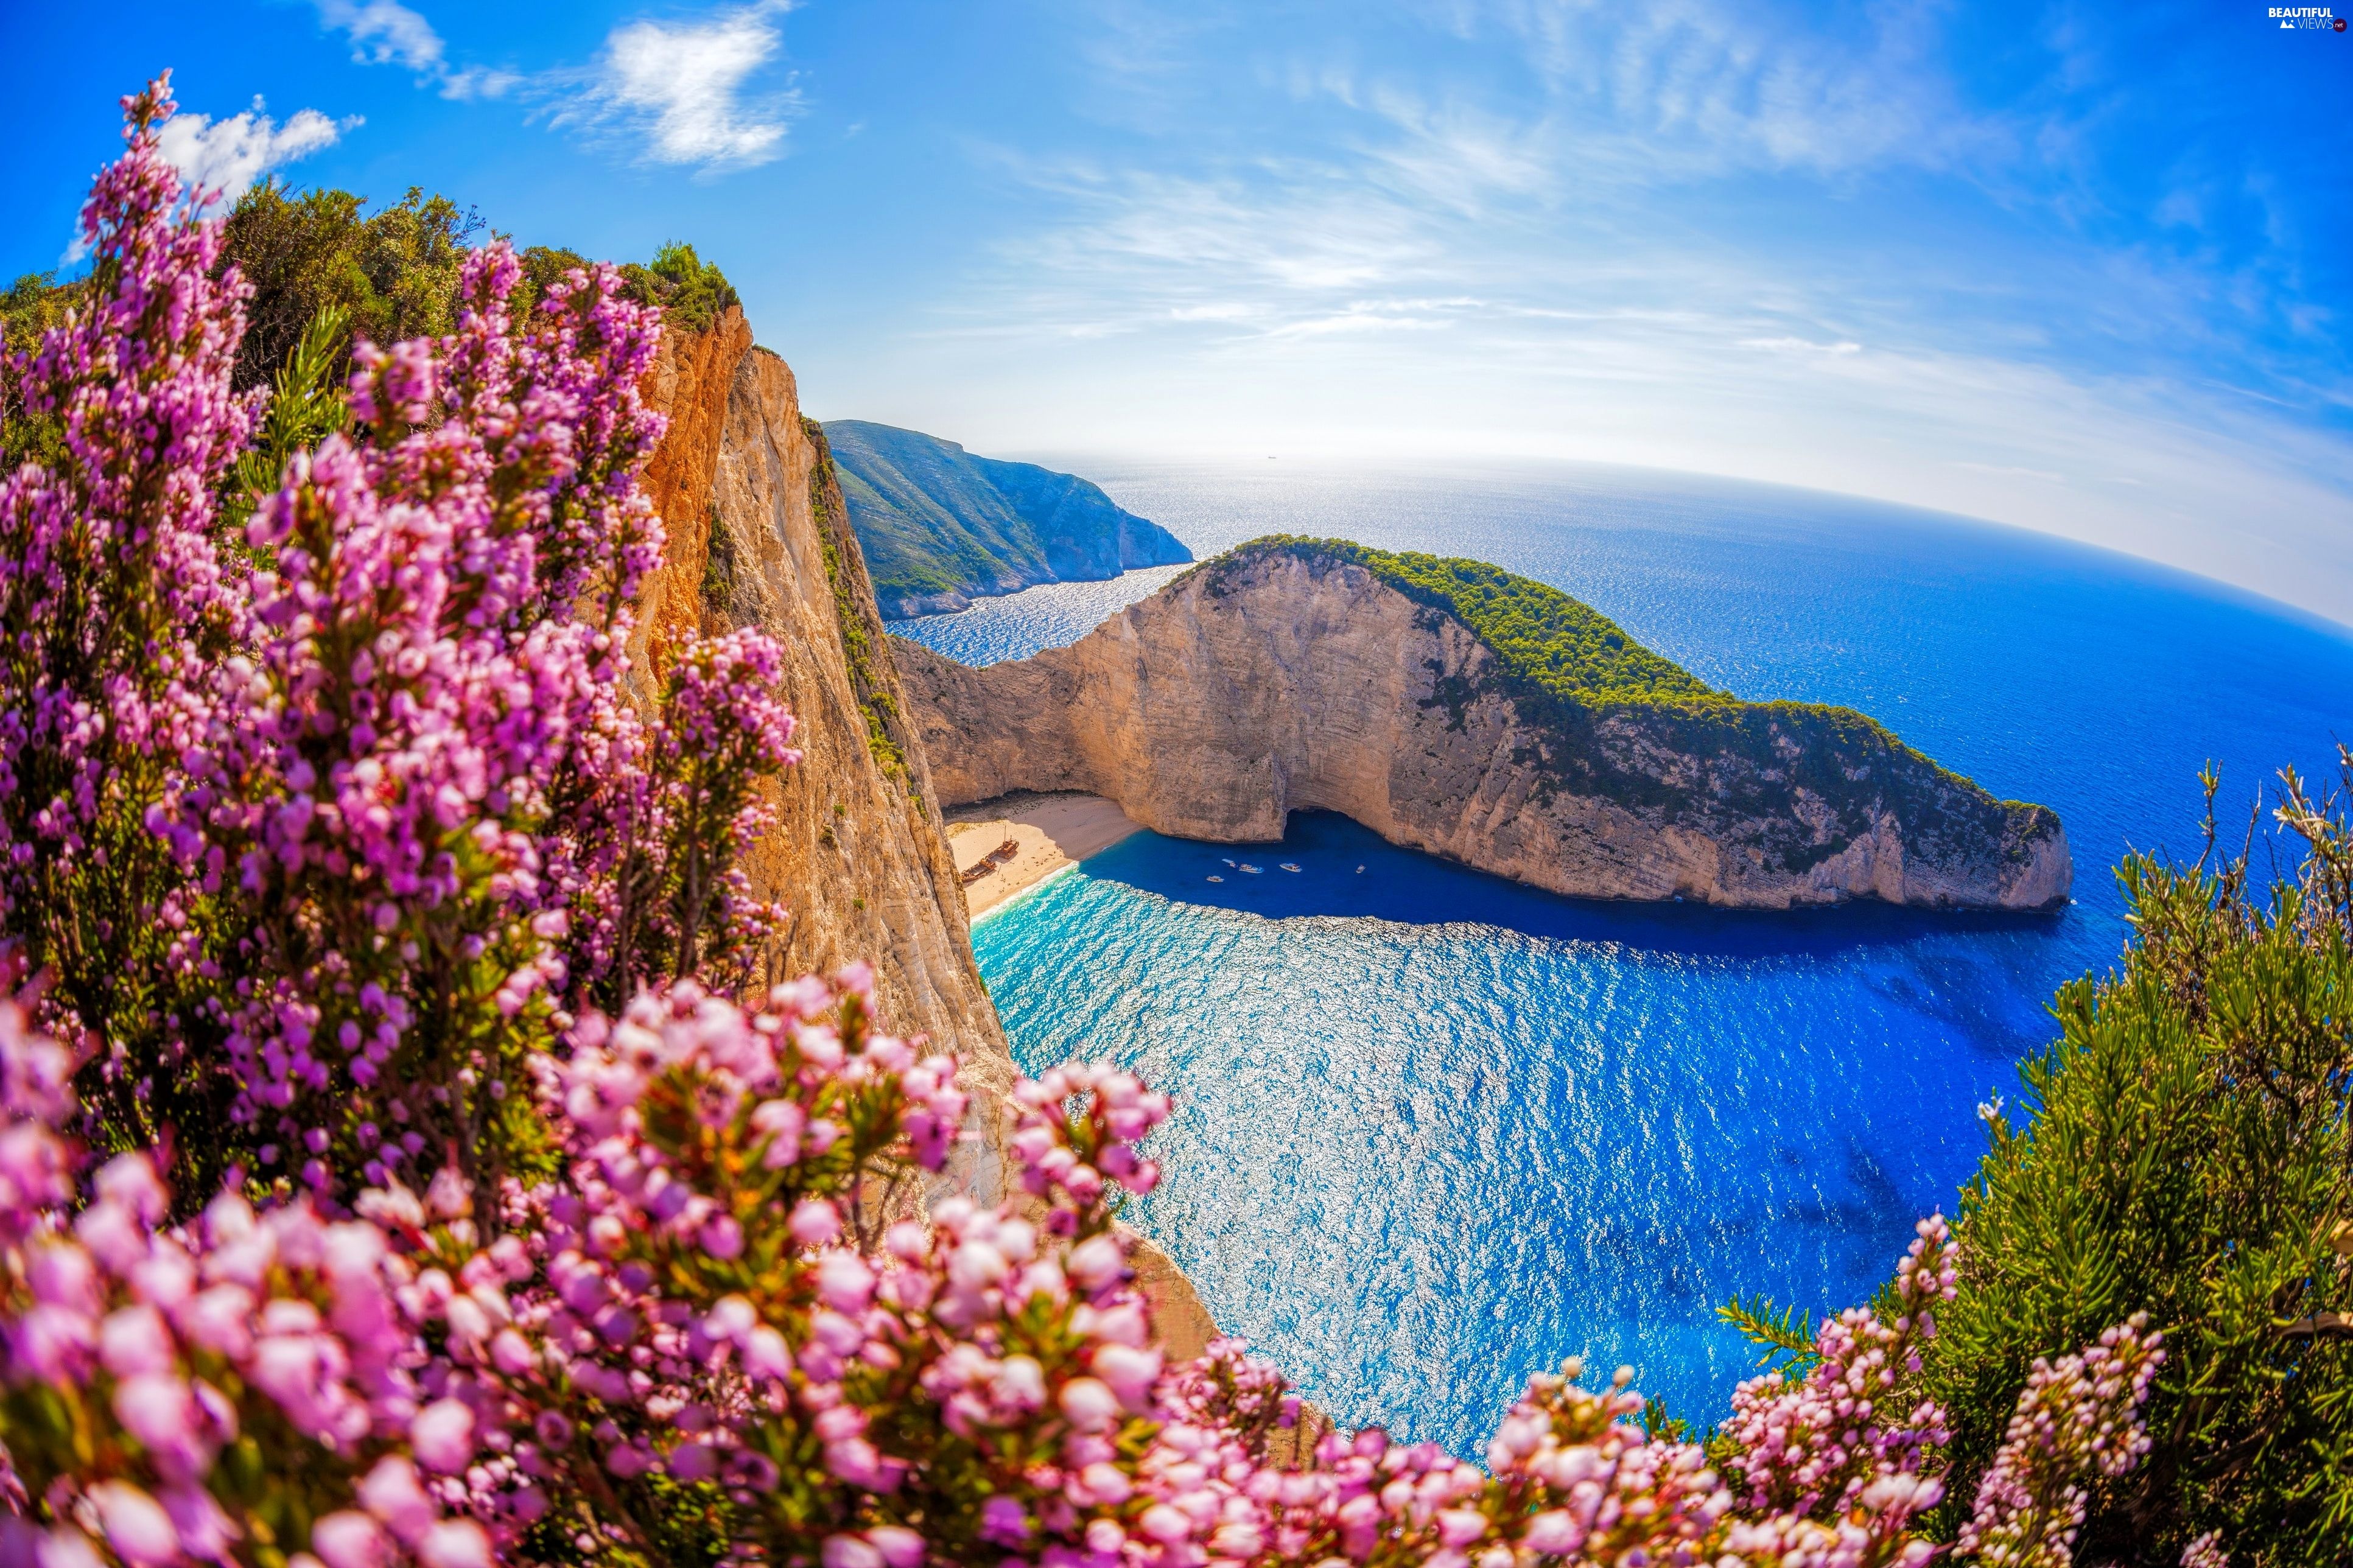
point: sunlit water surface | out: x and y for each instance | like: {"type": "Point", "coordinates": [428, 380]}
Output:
{"type": "Point", "coordinates": [1436, 1132]}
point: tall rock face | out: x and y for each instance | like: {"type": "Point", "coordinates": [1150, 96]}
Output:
{"type": "Point", "coordinates": [759, 536]}
{"type": "Point", "coordinates": [939, 525]}
{"type": "Point", "coordinates": [1286, 678]}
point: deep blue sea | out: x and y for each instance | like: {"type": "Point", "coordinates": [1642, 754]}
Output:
{"type": "Point", "coordinates": [1436, 1132]}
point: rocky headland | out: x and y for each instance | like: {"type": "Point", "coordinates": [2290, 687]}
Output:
{"type": "Point", "coordinates": [941, 526]}
{"type": "Point", "coordinates": [1455, 708]}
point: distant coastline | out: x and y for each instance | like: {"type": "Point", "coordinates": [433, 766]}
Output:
{"type": "Point", "coordinates": [940, 526]}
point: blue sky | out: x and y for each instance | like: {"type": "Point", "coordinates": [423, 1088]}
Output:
{"type": "Point", "coordinates": [2082, 268]}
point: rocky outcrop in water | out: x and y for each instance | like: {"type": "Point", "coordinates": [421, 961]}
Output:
{"type": "Point", "coordinates": [1292, 676]}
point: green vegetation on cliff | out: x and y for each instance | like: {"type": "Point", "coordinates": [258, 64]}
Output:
{"type": "Point", "coordinates": [382, 276]}
{"type": "Point", "coordinates": [860, 645]}
{"type": "Point", "coordinates": [1542, 636]}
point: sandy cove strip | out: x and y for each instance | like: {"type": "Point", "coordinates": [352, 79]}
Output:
{"type": "Point", "coordinates": [1048, 833]}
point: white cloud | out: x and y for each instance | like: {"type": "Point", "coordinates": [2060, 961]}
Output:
{"type": "Point", "coordinates": [228, 156]}
{"type": "Point", "coordinates": [1803, 345]}
{"type": "Point", "coordinates": [386, 33]}
{"type": "Point", "coordinates": [223, 158]}
{"type": "Point", "coordinates": [1705, 86]}
{"type": "Point", "coordinates": [681, 87]}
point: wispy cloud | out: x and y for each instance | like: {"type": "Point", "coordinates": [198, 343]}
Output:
{"type": "Point", "coordinates": [1803, 345]}
{"type": "Point", "coordinates": [226, 156]}
{"type": "Point", "coordinates": [1708, 85]}
{"type": "Point", "coordinates": [388, 33]}
{"type": "Point", "coordinates": [684, 88]}
{"type": "Point", "coordinates": [222, 158]}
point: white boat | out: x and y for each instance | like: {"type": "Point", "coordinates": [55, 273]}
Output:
{"type": "Point", "coordinates": [1217, 878]}
{"type": "Point", "coordinates": [1228, 862]}
{"type": "Point", "coordinates": [1288, 866]}
{"type": "Point", "coordinates": [1250, 870]}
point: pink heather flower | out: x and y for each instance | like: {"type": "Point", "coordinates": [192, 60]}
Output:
{"type": "Point", "coordinates": [442, 1436]}
{"type": "Point", "coordinates": [900, 1548]}
{"type": "Point", "coordinates": [722, 1236]}
{"type": "Point", "coordinates": [1552, 1534]}
{"type": "Point", "coordinates": [1165, 1524]}
{"type": "Point", "coordinates": [349, 1540]}
{"type": "Point", "coordinates": [815, 1222]}
{"type": "Point", "coordinates": [1003, 1521]}
{"type": "Point", "coordinates": [206, 1532]}
{"type": "Point", "coordinates": [1089, 1404]}
{"type": "Point", "coordinates": [2076, 1418]}
{"type": "Point", "coordinates": [391, 1493]}
{"type": "Point", "coordinates": [844, 1282]}
{"type": "Point", "coordinates": [62, 1275]}
{"type": "Point", "coordinates": [766, 1354]}
{"type": "Point", "coordinates": [135, 1525]}
{"type": "Point", "coordinates": [160, 1410]}
{"type": "Point", "coordinates": [2206, 1552]}
{"type": "Point", "coordinates": [65, 1547]}
{"type": "Point", "coordinates": [1128, 1372]}
{"type": "Point", "coordinates": [455, 1543]}
{"type": "Point", "coordinates": [1095, 1263]}
{"type": "Point", "coordinates": [851, 1552]}
{"type": "Point", "coordinates": [135, 1341]}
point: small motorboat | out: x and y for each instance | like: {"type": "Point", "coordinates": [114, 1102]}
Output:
{"type": "Point", "coordinates": [1360, 870]}
{"type": "Point", "coordinates": [1228, 862]}
{"type": "Point", "coordinates": [1250, 870]}
{"type": "Point", "coordinates": [1217, 878]}
{"type": "Point", "coordinates": [1288, 866]}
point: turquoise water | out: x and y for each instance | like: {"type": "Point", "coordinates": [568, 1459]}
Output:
{"type": "Point", "coordinates": [1436, 1132]}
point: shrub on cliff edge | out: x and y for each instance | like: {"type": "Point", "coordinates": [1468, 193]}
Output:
{"type": "Point", "coordinates": [2188, 1155]}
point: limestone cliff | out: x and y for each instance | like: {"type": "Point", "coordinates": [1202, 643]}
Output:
{"type": "Point", "coordinates": [758, 536]}
{"type": "Point", "coordinates": [1299, 675]}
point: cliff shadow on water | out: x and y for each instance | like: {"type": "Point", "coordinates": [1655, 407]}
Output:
{"type": "Point", "coordinates": [1411, 888]}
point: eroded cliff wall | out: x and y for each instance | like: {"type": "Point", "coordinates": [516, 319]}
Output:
{"type": "Point", "coordinates": [1268, 684]}
{"type": "Point", "coordinates": [758, 536]}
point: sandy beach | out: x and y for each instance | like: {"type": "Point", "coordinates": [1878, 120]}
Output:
{"type": "Point", "coordinates": [1047, 832]}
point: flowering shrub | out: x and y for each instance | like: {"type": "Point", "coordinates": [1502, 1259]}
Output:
{"type": "Point", "coordinates": [400, 1163]}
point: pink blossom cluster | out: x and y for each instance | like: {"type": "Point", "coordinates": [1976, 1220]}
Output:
{"type": "Point", "coordinates": [2077, 1418]}
{"type": "Point", "coordinates": [371, 754]}
{"type": "Point", "coordinates": [139, 388]}
{"type": "Point", "coordinates": [1831, 1464]}
{"type": "Point", "coordinates": [154, 1376]}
